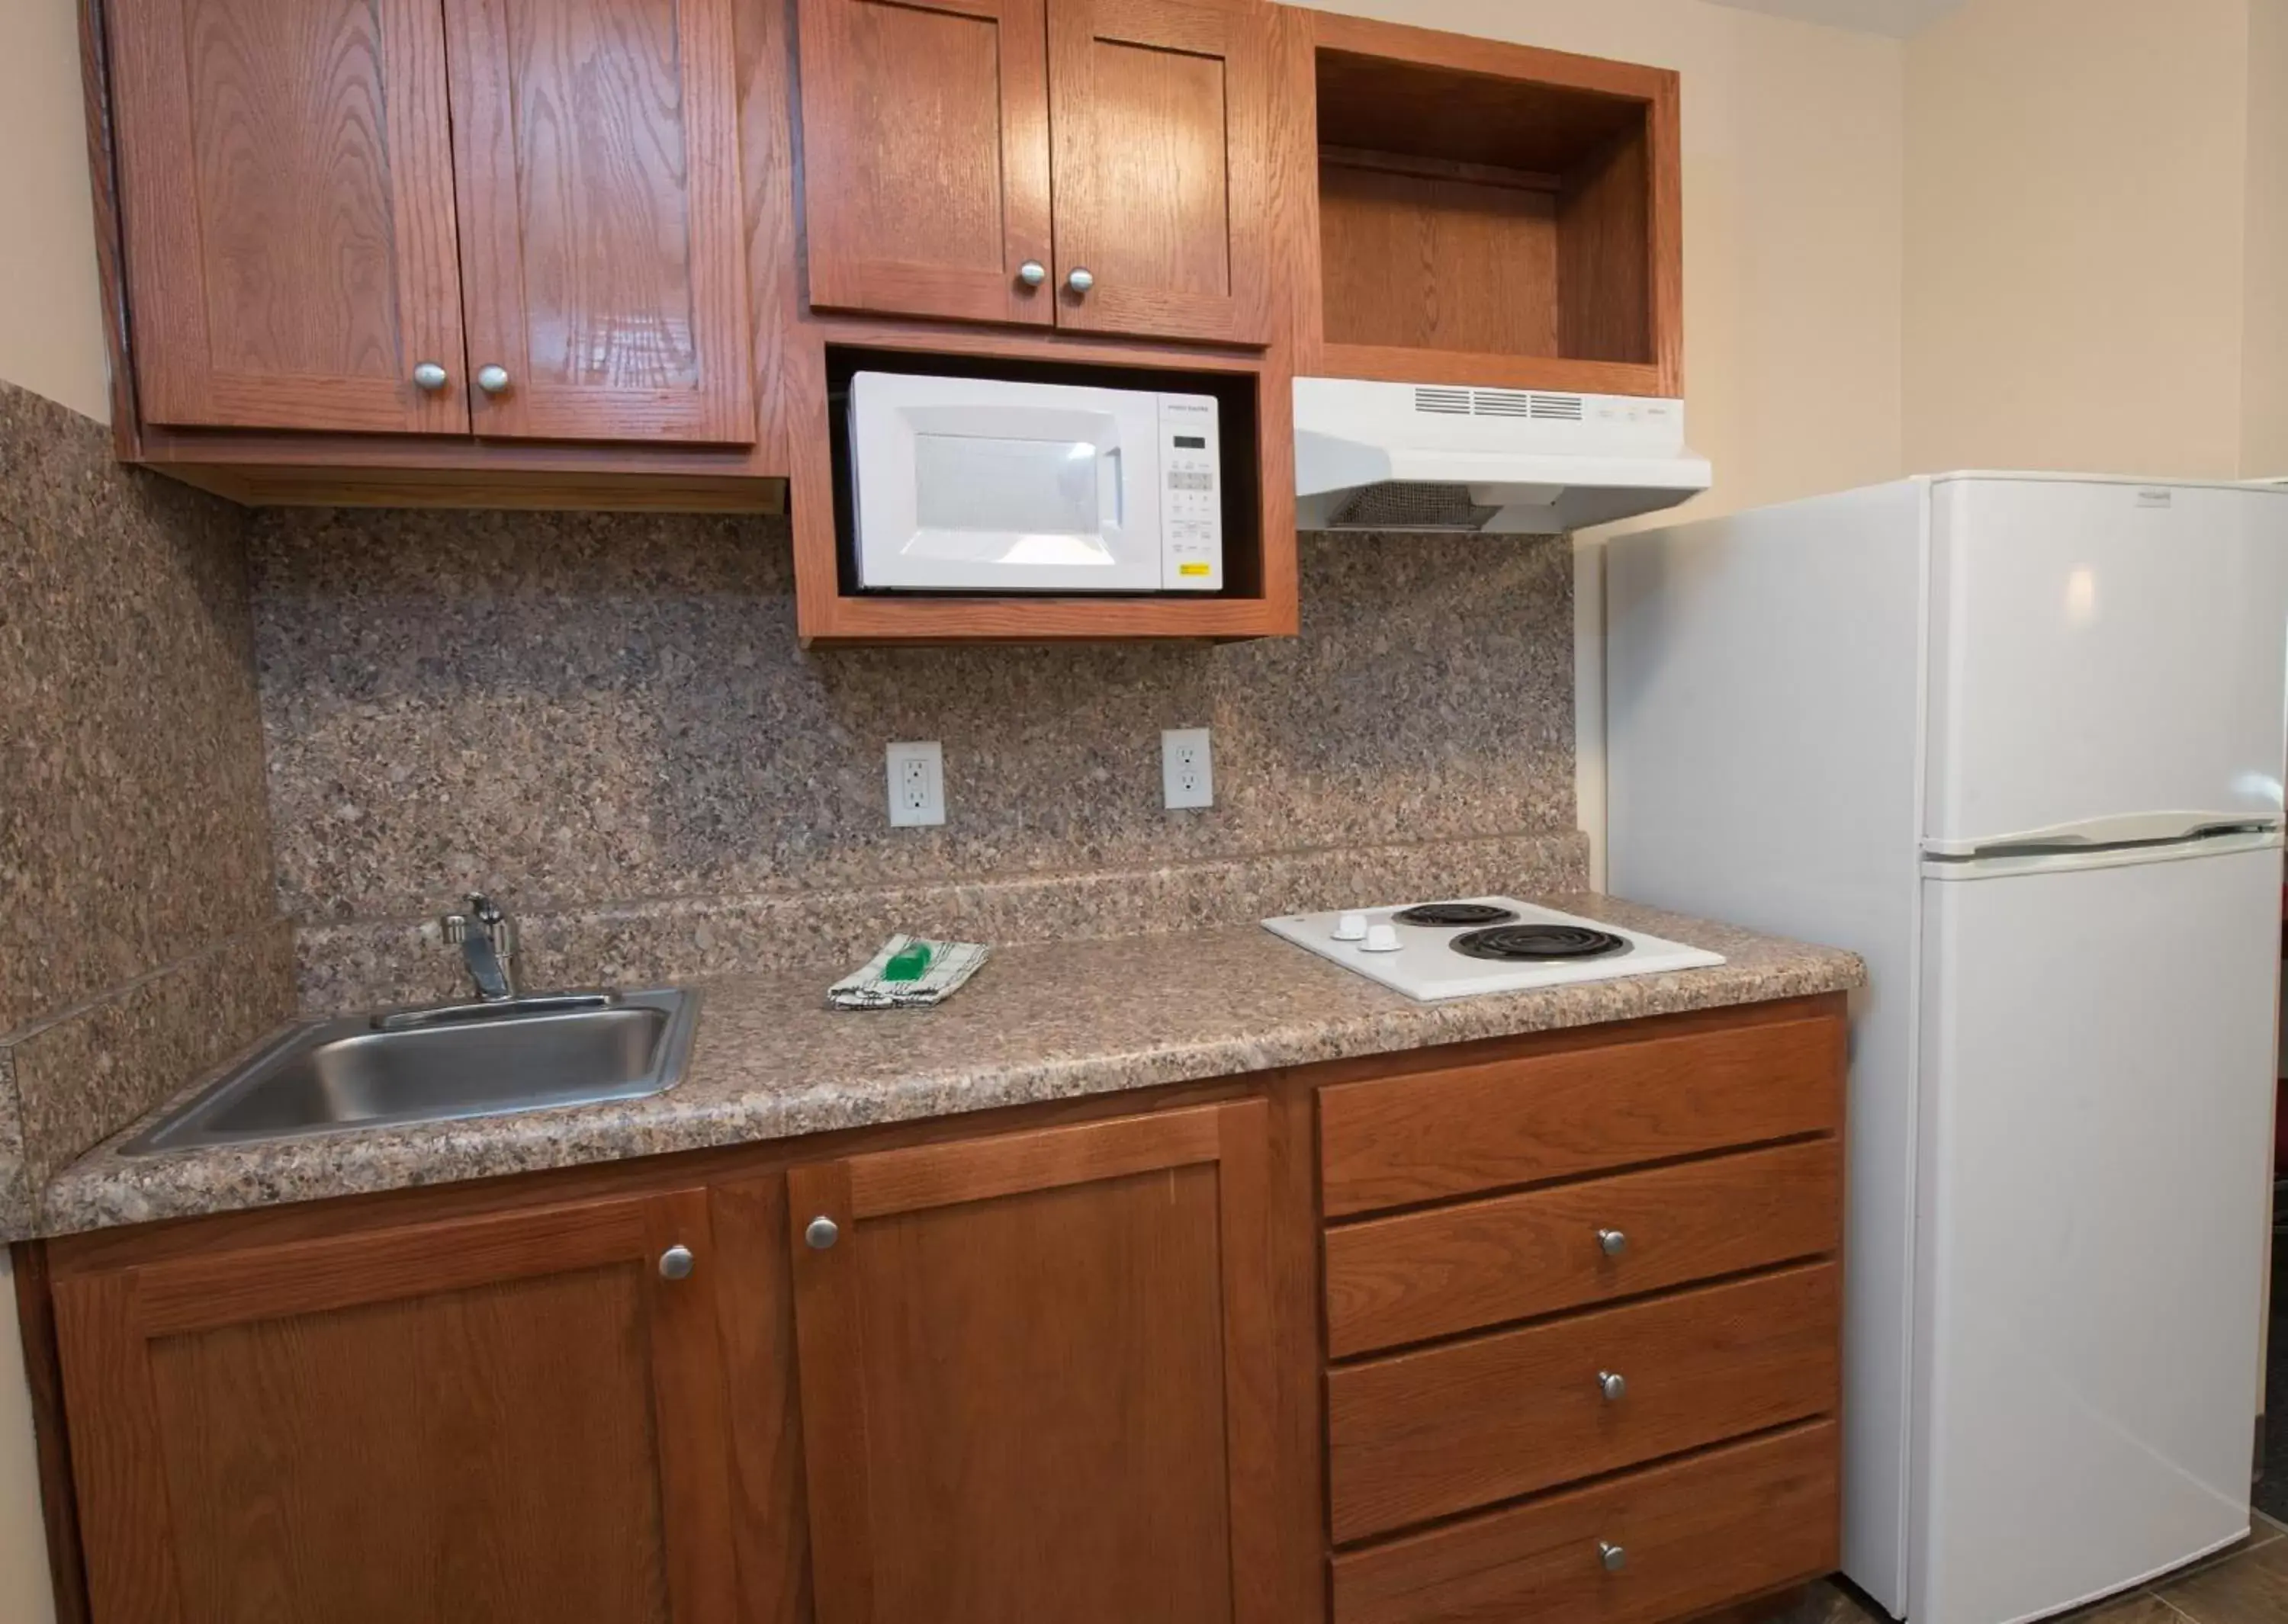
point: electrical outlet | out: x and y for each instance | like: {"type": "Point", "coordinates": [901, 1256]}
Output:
{"type": "Point", "coordinates": [917, 785]}
{"type": "Point", "coordinates": [1187, 769]}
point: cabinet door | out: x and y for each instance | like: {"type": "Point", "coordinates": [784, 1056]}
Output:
{"type": "Point", "coordinates": [286, 195]}
{"type": "Point", "coordinates": [1035, 1374]}
{"type": "Point", "coordinates": [596, 157]}
{"type": "Point", "coordinates": [512, 1418]}
{"type": "Point", "coordinates": [925, 157]}
{"type": "Point", "coordinates": [1161, 117]}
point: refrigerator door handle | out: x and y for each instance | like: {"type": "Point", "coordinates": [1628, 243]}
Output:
{"type": "Point", "coordinates": [2090, 833]}
{"type": "Point", "coordinates": [1995, 863]}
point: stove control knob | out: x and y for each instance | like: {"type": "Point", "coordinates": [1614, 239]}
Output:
{"type": "Point", "coordinates": [1381, 939]}
{"type": "Point", "coordinates": [1351, 928]}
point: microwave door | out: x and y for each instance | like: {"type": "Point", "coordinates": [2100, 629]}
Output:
{"type": "Point", "coordinates": [1013, 494]}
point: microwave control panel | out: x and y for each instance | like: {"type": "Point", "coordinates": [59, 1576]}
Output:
{"type": "Point", "coordinates": [1191, 494]}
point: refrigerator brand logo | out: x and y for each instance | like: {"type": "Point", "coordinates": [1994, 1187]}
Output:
{"type": "Point", "coordinates": [2153, 498]}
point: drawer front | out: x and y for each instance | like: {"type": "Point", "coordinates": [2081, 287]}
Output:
{"type": "Point", "coordinates": [1448, 1428]}
{"type": "Point", "coordinates": [1694, 1534]}
{"type": "Point", "coordinates": [1392, 1142]}
{"type": "Point", "coordinates": [1424, 1274]}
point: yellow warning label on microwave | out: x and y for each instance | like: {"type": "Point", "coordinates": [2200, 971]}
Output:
{"type": "Point", "coordinates": [1193, 569]}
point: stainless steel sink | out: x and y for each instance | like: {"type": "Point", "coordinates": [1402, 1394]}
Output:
{"type": "Point", "coordinates": [460, 1060]}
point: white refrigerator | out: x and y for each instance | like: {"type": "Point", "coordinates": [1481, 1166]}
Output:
{"type": "Point", "coordinates": [2018, 741]}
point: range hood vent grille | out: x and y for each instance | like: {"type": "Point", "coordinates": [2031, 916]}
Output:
{"type": "Point", "coordinates": [1448, 402]}
{"type": "Point", "coordinates": [1404, 505]}
{"type": "Point", "coordinates": [1499, 403]}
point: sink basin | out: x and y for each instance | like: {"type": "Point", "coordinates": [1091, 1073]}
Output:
{"type": "Point", "coordinates": [464, 1060]}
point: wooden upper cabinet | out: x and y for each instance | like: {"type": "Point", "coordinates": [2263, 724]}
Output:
{"type": "Point", "coordinates": [1160, 115]}
{"type": "Point", "coordinates": [936, 134]}
{"type": "Point", "coordinates": [512, 1417]}
{"type": "Point", "coordinates": [925, 148]}
{"type": "Point", "coordinates": [595, 148]}
{"type": "Point", "coordinates": [314, 193]}
{"type": "Point", "coordinates": [286, 192]}
{"type": "Point", "coordinates": [1037, 1374]}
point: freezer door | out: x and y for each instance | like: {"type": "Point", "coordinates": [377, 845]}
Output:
{"type": "Point", "coordinates": [2093, 1151]}
{"type": "Point", "coordinates": [2102, 653]}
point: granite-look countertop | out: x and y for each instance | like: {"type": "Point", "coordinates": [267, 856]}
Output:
{"type": "Point", "coordinates": [772, 1061]}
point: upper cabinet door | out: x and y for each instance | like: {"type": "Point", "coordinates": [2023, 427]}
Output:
{"type": "Point", "coordinates": [286, 188]}
{"type": "Point", "coordinates": [926, 154]}
{"type": "Point", "coordinates": [596, 157]}
{"type": "Point", "coordinates": [1161, 117]}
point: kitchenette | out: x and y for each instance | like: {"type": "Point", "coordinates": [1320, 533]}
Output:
{"type": "Point", "coordinates": [819, 812]}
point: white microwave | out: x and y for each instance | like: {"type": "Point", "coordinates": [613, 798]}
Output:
{"type": "Point", "coordinates": [982, 485]}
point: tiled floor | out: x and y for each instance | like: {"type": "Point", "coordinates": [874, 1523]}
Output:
{"type": "Point", "coordinates": [2245, 1585]}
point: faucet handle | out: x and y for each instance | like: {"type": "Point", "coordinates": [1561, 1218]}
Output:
{"type": "Point", "coordinates": [484, 909]}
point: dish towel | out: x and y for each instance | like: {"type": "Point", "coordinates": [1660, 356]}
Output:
{"type": "Point", "coordinates": [909, 972]}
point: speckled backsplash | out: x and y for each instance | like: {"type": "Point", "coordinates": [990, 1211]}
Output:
{"type": "Point", "coordinates": [606, 720]}
{"type": "Point", "coordinates": [139, 940]}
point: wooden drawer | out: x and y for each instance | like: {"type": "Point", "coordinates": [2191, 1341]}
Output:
{"type": "Point", "coordinates": [1392, 1142]}
{"type": "Point", "coordinates": [1424, 1274]}
{"type": "Point", "coordinates": [1448, 1428]}
{"type": "Point", "coordinates": [1695, 1533]}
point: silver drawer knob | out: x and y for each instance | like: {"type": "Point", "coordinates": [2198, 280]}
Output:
{"type": "Point", "coordinates": [1612, 1555]}
{"type": "Point", "coordinates": [821, 1233]}
{"type": "Point", "coordinates": [1612, 1384]}
{"type": "Point", "coordinates": [1612, 1242]}
{"type": "Point", "coordinates": [492, 380]}
{"type": "Point", "coordinates": [429, 376]}
{"type": "Point", "coordinates": [1032, 272]}
{"type": "Point", "coordinates": [1080, 279]}
{"type": "Point", "coordinates": [675, 1264]}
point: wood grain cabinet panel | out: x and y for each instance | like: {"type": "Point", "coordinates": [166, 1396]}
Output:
{"type": "Point", "coordinates": [925, 141]}
{"type": "Point", "coordinates": [1463, 1425]}
{"type": "Point", "coordinates": [1575, 1110]}
{"type": "Point", "coordinates": [286, 189]}
{"type": "Point", "coordinates": [1161, 113]}
{"type": "Point", "coordinates": [1035, 1374]}
{"type": "Point", "coordinates": [597, 164]}
{"type": "Point", "coordinates": [1694, 1535]}
{"type": "Point", "coordinates": [1460, 1268]}
{"type": "Point", "coordinates": [510, 1417]}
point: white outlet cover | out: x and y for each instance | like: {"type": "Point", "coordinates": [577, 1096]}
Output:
{"type": "Point", "coordinates": [916, 784]}
{"type": "Point", "coordinates": [1187, 769]}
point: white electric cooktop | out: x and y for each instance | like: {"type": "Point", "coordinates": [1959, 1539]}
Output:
{"type": "Point", "coordinates": [1471, 944]}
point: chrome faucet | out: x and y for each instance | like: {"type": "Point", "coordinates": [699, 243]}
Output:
{"type": "Point", "coordinates": [487, 938]}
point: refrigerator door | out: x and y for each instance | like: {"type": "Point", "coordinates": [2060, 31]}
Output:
{"type": "Point", "coordinates": [2096, 1071]}
{"type": "Point", "coordinates": [2104, 656]}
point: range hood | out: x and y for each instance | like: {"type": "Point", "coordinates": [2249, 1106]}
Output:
{"type": "Point", "coordinates": [1405, 456]}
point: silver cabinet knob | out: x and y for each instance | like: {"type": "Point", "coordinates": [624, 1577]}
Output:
{"type": "Point", "coordinates": [492, 380]}
{"type": "Point", "coordinates": [1032, 272]}
{"type": "Point", "coordinates": [1612, 1242]}
{"type": "Point", "coordinates": [675, 1264]}
{"type": "Point", "coordinates": [1612, 1384]}
{"type": "Point", "coordinates": [1614, 1556]}
{"type": "Point", "coordinates": [429, 376]}
{"type": "Point", "coordinates": [821, 1233]}
{"type": "Point", "coordinates": [1080, 279]}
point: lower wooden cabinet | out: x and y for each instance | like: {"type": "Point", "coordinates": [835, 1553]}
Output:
{"type": "Point", "coordinates": [1274, 1350]}
{"type": "Point", "coordinates": [1035, 1374]}
{"type": "Point", "coordinates": [515, 1418]}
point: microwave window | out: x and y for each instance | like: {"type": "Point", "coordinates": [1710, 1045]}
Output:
{"type": "Point", "coordinates": [1005, 487]}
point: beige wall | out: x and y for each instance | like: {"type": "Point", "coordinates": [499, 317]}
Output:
{"type": "Point", "coordinates": [2078, 181]}
{"type": "Point", "coordinates": [51, 335]}
{"type": "Point", "coordinates": [24, 1596]}
{"type": "Point", "coordinates": [2264, 338]}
